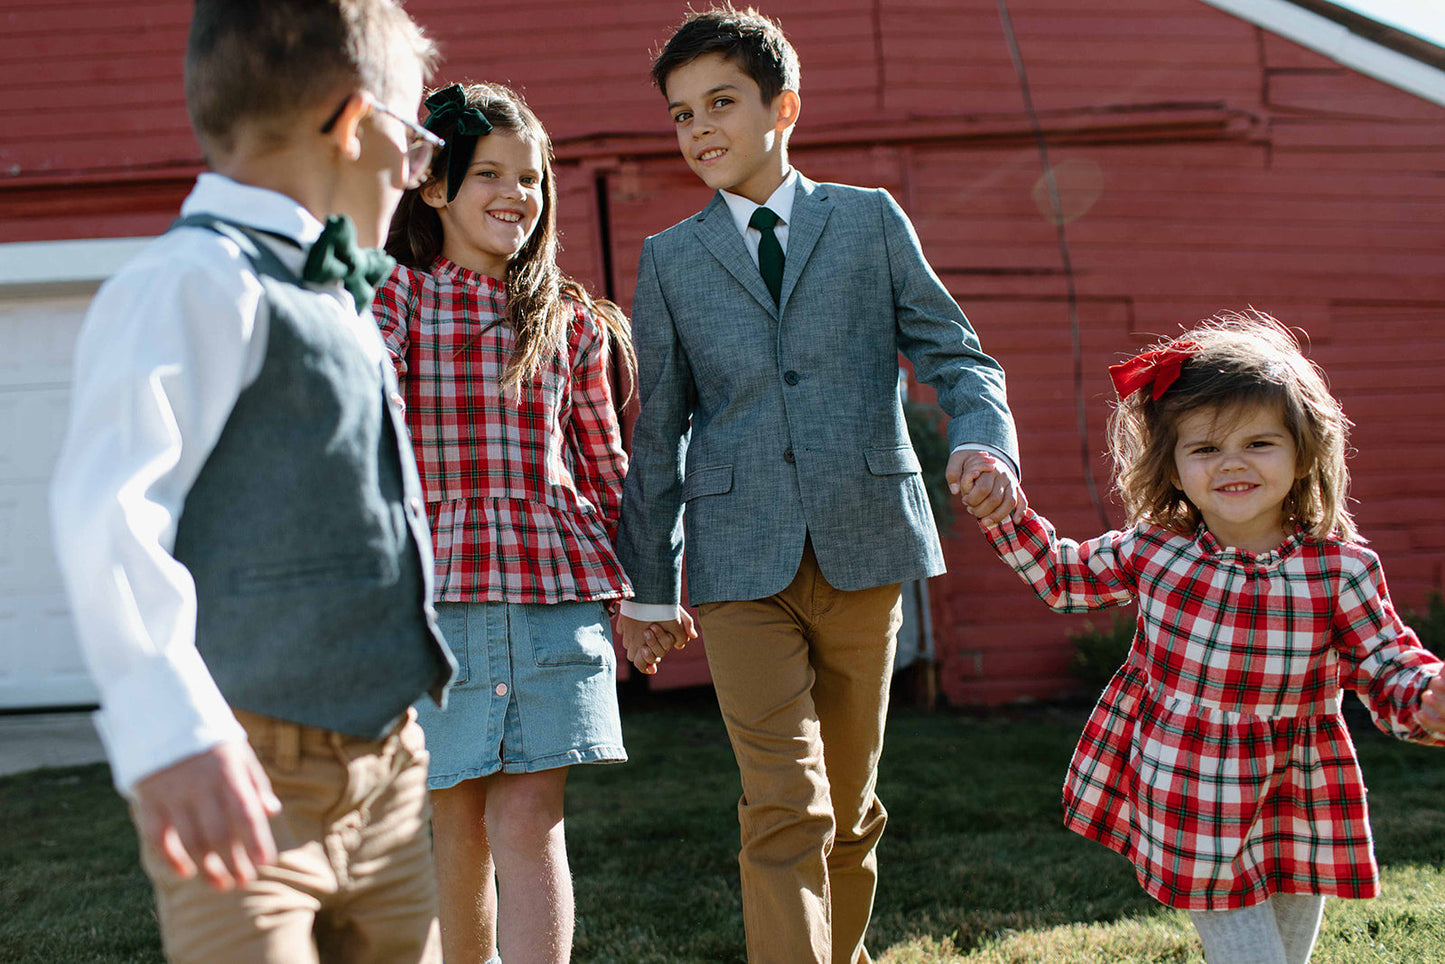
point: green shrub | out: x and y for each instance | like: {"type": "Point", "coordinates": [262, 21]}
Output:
{"type": "Point", "coordinates": [925, 431]}
{"type": "Point", "coordinates": [1429, 625]}
{"type": "Point", "coordinates": [1099, 652]}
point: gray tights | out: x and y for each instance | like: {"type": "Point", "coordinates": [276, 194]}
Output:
{"type": "Point", "coordinates": [1280, 931]}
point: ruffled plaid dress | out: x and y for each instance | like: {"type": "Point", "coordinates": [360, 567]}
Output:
{"type": "Point", "coordinates": [1216, 759]}
{"type": "Point", "coordinates": [524, 489]}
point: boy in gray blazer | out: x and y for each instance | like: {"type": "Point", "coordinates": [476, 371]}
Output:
{"type": "Point", "coordinates": [768, 329]}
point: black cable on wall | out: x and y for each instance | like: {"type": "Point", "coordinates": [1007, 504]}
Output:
{"type": "Point", "coordinates": [1080, 408]}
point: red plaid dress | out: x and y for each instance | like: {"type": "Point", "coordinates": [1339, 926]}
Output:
{"type": "Point", "coordinates": [523, 491]}
{"type": "Point", "coordinates": [1217, 759]}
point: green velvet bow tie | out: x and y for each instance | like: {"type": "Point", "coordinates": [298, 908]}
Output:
{"type": "Point", "coordinates": [336, 257]}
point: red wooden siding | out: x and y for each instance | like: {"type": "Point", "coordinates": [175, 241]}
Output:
{"type": "Point", "coordinates": [1203, 163]}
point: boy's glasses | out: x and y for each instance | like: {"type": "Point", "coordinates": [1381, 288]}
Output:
{"type": "Point", "coordinates": [419, 150]}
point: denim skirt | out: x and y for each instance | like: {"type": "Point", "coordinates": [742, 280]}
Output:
{"type": "Point", "coordinates": [536, 689]}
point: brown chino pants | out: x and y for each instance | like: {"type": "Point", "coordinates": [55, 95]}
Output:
{"type": "Point", "coordinates": [802, 681]}
{"type": "Point", "coordinates": [354, 883]}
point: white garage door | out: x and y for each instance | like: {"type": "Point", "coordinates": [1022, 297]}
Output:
{"type": "Point", "coordinates": [44, 290]}
{"type": "Point", "coordinates": [40, 664]}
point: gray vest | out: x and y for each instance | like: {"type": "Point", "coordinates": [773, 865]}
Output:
{"type": "Point", "coordinates": [306, 534]}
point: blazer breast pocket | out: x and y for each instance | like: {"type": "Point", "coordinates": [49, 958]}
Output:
{"type": "Point", "coordinates": [712, 480]}
{"type": "Point", "coordinates": [892, 460]}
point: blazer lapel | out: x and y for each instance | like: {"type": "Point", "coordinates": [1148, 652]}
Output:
{"type": "Point", "coordinates": [719, 234]}
{"type": "Point", "coordinates": [811, 209]}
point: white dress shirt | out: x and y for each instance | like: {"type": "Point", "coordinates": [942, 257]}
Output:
{"type": "Point", "coordinates": [780, 203]}
{"type": "Point", "coordinates": [167, 347]}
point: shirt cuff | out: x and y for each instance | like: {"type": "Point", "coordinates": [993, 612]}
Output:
{"type": "Point", "coordinates": [982, 447]}
{"type": "Point", "coordinates": [166, 710]}
{"type": "Point", "coordinates": [648, 612]}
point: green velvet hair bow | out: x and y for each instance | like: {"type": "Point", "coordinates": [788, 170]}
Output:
{"type": "Point", "coordinates": [445, 107]}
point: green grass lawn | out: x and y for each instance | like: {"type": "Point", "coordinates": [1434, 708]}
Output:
{"type": "Point", "coordinates": [976, 866]}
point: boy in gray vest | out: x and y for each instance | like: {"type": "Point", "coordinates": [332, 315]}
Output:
{"type": "Point", "coordinates": [237, 514]}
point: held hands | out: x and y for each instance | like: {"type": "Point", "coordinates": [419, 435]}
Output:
{"type": "Point", "coordinates": [646, 643]}
{"type": "Point", "coordinates": [208, 814]}
{"type": "Point", "coordinates": [986, 486]}
{"type": "Point", "coordinates": [1432, 708]}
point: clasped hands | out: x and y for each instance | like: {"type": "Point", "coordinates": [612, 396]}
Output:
{"type": "Point", "coordinates": [647, 642]}
{"type": "Point", "coordinates": [986, 486]}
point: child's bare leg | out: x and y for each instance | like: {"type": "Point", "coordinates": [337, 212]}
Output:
{"type": "Point", "coordinates": [534, 885]}
{"type": "Point", "coordinates": [466, 884]}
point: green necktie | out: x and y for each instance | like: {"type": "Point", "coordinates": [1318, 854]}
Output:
{"type": "Point", "coordinates": [770, 252]}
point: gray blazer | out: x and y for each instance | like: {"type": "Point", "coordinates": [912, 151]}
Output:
{"type": "Point", "coordinates": [770, 423]}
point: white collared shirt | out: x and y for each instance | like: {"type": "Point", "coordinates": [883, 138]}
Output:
{"type": "Point", "coordinates": [780, 202]}
{"type": "Point", "coordinates": [167, 347]}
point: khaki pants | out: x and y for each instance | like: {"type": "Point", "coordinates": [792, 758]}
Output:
{"type": "Point", "coordinates": [354, 882]}
{"type": "Point", "coordinates": [802, 680]}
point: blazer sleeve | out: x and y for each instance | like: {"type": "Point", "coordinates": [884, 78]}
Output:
{"type": "Point", "coordinates": [649, 539]}
{"type": "Point", "coordinates": [935, 335]}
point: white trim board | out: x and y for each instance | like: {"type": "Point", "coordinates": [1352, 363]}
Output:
{"type": "Point", "coordinates": [55, 262]}
{"type": "Point", "coordinates": [1335, 41]}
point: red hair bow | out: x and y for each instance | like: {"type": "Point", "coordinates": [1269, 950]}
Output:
{"type": "Point", "coordinates": [1159, 368]}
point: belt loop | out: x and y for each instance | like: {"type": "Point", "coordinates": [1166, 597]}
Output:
{"type": "Point", "coordinates": [288, 745]}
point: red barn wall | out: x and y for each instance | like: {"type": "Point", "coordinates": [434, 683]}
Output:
{"type": "Point", "coordinates": [1203, 164]}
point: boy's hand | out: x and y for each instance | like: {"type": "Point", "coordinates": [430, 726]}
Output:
{"type": "Point", "coordinates": [646, 643]}
{"type": "Point", "coordinates": [208, 813]}
{"type": "Point", "coordinates": [1432, 707]}
{"type": "Point", "coordinates": [986, 486]}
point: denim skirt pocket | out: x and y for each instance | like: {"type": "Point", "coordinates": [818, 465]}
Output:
{"type": "Point", "coordinates": [571, 634]}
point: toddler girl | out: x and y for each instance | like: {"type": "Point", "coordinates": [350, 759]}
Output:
{"type": "Point", "coordinates": [503, 365]}
{"type": "Point", "coordinates": [1217, 759]}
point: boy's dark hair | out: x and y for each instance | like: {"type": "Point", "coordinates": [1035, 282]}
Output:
{"type": "Point", "coordinates": [249, 61]}
{"type": "Point", "coordinates": [745, 37]}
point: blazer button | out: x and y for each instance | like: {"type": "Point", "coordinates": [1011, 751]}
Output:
{"type": "Point", "coordinates": [416, 505]}
{"type": "Point", "coordinates": [397, 400]}
{"type": "Point", "coordinates": [792, 377]}
{"type": "Point", "coordinates": [788, 456]}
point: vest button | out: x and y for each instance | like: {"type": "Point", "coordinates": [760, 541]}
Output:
{"type": "Point", "coordinates": [788, 456]}
{"type": "Point", "coordinates": [501, 689]}
{"type": "Point", "coordinates": [792, 377]}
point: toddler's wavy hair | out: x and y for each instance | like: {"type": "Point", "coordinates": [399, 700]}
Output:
{"type": "Point", "coordinates": [1243, 359]}
{"type": "Point", "coordinates": [539, 295]}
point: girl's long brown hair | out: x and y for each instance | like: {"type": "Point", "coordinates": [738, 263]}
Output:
{"type": "Point", "coordinates": [1242, 359]}
{"type": "Point", "coordinates": [539, 296]}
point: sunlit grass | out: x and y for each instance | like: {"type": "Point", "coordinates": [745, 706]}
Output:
{"type": "Point", "coordinates": [976, 866]}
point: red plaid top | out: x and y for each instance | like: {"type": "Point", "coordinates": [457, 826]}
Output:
{"type": "Point", "coordinates": [1217, 759]}
{"type": "Point", "coordinates": [523, 491]}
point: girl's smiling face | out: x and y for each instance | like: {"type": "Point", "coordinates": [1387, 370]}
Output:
{"type": "Point", "coordinates": [497, 206]}
{"type": "Point", "coordinates": [1237, 466]}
